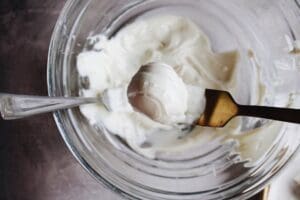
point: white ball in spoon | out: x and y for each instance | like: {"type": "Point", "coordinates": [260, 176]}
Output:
{"type": "Point", "coordinates": [157, 91]}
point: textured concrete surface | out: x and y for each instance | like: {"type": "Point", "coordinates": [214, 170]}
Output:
{"type": "Point", "coordinates": [35, 164]}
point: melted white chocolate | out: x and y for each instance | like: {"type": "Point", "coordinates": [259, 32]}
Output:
{"type": "Point", "coordinates": [177, 42]}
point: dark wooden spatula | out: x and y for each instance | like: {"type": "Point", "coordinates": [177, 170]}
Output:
{"type": "Point", "coordinates": [221, 108]}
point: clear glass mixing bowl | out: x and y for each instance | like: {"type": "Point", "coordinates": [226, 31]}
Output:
{"type": "Point", "coordinates": [264, 29]}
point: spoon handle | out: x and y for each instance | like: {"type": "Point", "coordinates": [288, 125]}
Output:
{"type": "Point", "coordinates": [280, 114]}
{"type": "Point", "coordinates": [19, 106]}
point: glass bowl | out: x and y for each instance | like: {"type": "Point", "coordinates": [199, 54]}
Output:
{"type": "Point", "coordinates": [263, 31]}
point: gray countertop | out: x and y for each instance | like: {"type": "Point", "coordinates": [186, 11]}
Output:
{"type": "Point", "coordinates": [35, 163]}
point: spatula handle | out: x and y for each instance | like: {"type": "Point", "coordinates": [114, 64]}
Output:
{"type": "Point", "coordinates": [280, 114]}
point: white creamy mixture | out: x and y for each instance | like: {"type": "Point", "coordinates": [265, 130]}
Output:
{"type": "Point", "coordinates": [177, 42]}
{"type": "Point", "coordinates": [157, 91]}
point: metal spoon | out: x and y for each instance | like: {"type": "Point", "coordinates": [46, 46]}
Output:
{"type": "Point", "coordinates": [220, 108]}
{"type": "Point", "coordinates": [19, 106]}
